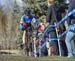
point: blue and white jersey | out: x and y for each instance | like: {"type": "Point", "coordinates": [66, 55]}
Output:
{"type": "Point", "coordinates": [28, 20]}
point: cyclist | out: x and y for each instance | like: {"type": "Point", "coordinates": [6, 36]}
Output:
{"type": "Point", "coordinates": [25, 24]}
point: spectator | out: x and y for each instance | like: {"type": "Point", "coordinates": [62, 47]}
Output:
{"type": "Point", "coordinates": [54, 14]}
{"type": "Point", "coordinates": [50, 19]}
{"type": "Point", "coordinates": [71, 33]}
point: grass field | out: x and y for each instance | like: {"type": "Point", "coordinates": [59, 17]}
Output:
{"type": "Point", "coordinates": [23, 58]}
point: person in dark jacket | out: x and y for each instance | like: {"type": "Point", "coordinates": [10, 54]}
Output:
{"type": "Point", "coordinates": [54, 14]}
{"type": "Point", "coordinates": [51, 20]}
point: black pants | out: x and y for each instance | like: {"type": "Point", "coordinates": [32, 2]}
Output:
{"type": "Point", "coordinates": [54, 43]}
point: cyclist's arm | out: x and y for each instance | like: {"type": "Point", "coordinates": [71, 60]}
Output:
{"type": "Point", "coordinates": [21, 23]}
{"type": "Point", "coordinates": [22, 19]}
{"type": "Point", "coordinates": [35, 23]}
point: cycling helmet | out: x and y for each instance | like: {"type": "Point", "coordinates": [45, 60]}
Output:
{"type": "Point", "coordinates": [27, 12]}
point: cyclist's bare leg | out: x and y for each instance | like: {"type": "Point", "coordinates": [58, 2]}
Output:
{"type": "Point", "coordinates": [24, 39]}
{"type": "Point", "coordinates": [25, 42]}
